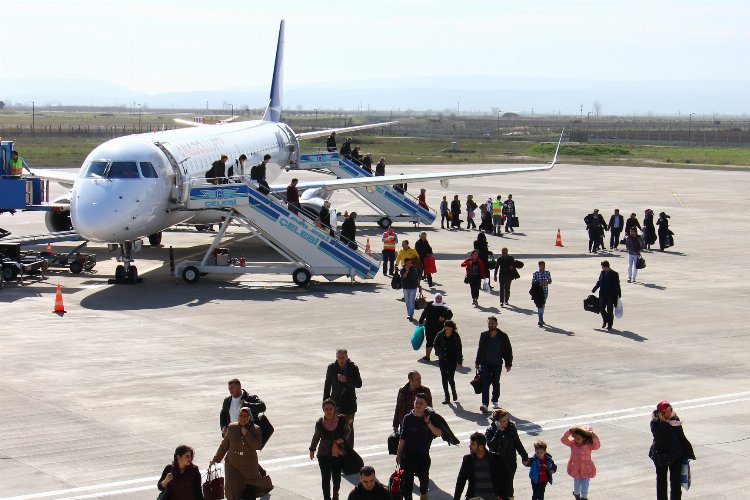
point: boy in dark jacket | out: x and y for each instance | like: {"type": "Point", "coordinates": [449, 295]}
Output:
{"type": "Point", "coordinates": [541, 467]}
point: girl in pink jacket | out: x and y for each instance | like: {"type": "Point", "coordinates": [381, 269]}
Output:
{"type": "Point", "coordinates": [582, 441]}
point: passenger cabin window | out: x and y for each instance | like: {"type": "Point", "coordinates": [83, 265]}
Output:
{"type": "Point", "coordinates": [123, 170]}
{"type": "Point", "coordinates": [148, 170]}
{"type": "Point", "coordinates": [95, 169]}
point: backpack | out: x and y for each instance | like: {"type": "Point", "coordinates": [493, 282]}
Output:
{"type": "Point", "coordinates": [396, 282]}
{"type": "Point", "coordinates": [254, 172]}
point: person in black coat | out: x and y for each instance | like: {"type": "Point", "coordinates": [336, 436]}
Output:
{"type": "Point", "coordinates": [367, 163]}
{"type": "Point", "coordinates": [609, 291]}
{"type": "Point", "coordinates": [479, 451]}
{"type": "Point", "coordinates": [456, 212]}
{"type": "Point", "coordinates": [331, 143]}
{"type": "Point", "coordinates": [369, 488]}
{"type": "Point", "coordinates": [423, 248]}
{"type": "Point", "coordinates": [505, 270]}
{"type": "Point", "coordinates": [664, 232]}
{"type": "Point", "coordinates": [242, 398]}
{"type": "Point", "coordinates": [341, 384]}
{"type": "Point", "coordinates": [325, 217]}
{"type": "Point", "coordinates": [649, 229]}
{"type": "Point", "coordinates": [615, 227]}
{"type": "Point", "coordinates": [668, 449]}
{"type": "Point", "coordinates": [450, 356]}
{"type": "Point", "coordinates": [632, 222]}
{"type": "Point", "coordinates": [481, 246]}
{"type": "Point", "coordinates": [502, 438]}
{"type": "Point", "coordinates": [595, 226]}
{"type": "Point", "coordinates": [349, 231]}
{"type": "Point", "coordinates": [433, 318]}
{"type": "Point", "coordinates": [346, 148]}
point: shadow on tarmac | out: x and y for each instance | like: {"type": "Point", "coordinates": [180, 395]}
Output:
{"type": "Point", "coordinates": [623, 333]}
{"type": "Point", "coordinates": [553, 329]}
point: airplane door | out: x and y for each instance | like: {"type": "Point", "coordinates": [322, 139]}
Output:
{"type": "Point", "coordinates": [179, 175]}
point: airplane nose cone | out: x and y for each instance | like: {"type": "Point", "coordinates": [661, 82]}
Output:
{"type": "Point", "coordinates": [110, 211]}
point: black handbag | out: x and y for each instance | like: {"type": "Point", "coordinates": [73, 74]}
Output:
{"type": "Point", "coordinates": [591, 304]}
{"type": "Point", "coordinates": [393, 443]}
{"type": "Point", "coordinates": [351, 462]}
{"type": "Point", "coordinates": [165, 494]}
{"type": "Point", "coordinates": [640, 263]}
{"type": "Point", "coordinates": [266, 429]}
{"type": "Point", "coordinates": [420, 302]}
{"type": "Point", "coordinates": [396, 282]}
{"type": "Point", "coordinates": [476, 383]}
{"type": "Point", "coordinates": [514, 221]}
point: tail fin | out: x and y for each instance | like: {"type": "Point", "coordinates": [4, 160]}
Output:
{"type": "Point", "coordinates": [273, 111]}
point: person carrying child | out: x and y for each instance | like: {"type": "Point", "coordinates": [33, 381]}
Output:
{"type": "Point", "coordinates": [541, 467]}
{"type": "Point", "coordinates": [582, 441]}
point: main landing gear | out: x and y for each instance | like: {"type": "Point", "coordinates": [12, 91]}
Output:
{"type": "Point", "coordinates": [126, 273]}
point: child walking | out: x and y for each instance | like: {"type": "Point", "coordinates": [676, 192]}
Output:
{"type": "Point", "coordinates": [541, 467]}
{"type": "Point", "coordinates": [582, 441]}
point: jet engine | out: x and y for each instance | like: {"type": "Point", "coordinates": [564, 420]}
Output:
{"type": "Point", "coordinates": [59, 220]}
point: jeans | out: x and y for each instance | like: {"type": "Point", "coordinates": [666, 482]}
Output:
{"type": "Point", "coordinates": [508, 224]}
{"type": "Point", "coordinates": [444, 220]}
{"type": "Point", "coordinates": [673, 470]}
{"type": "Point", "coordinates": [448, 376]}
{"type": "Point", "coordinates": [490, 376]}
{"type": "Point", "coordinates": [632, 269]}
{"type": "Point", "coordinates": [581, 487]}
{"type": "Point", "coordinates": [537, 490]}
{"type": "Point", "coordinates": [418, 465]}
{"type": "Point", "coordinates": [410, 295]}
{"type": "Point", "coordinates": [389, 257]}
{"type": "Point", "coordinates": [540, 310]}
{"type": "Point", "coordinates": [330, 469]}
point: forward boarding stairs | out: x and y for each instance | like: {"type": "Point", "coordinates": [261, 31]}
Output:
{"type": "Point", "coordinates": [295, 236]}
{"type": "Point", "coordinates": [385, 200]}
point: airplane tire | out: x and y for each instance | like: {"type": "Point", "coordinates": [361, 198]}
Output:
{"type": "Point", "coordinates": [120, 274]}
{"type": "Point", "coordinates": [190, 274]}
{"type": "Point", "coordinates": [202, 227]}
{"type": "Point", "coordinates": [133, 276]}
{"type": "Point", "coordinates": [154, 239]}
{"type": "Point", "coordinates": [76, 267]}
{"type": "Point", "coordinates": [10, 273]}
{"type": "Point", "coordinates": [301, 276]}
{"type": "Point", "coordinates": [385, 222]}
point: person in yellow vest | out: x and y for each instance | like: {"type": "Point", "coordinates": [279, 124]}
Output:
{"type": "Point", "coordinates": [497, 216]}
{"type": "Point", "coordinates": [17, 165]}
{"type": "Point", "coordinates": [389, 250]}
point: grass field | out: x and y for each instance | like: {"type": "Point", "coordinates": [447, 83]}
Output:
{"type": "Point", "coordinates": [67, 150]}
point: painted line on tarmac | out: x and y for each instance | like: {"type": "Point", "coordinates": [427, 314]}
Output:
{"type": "Point", "coordinates": [678, 199]}
{"type": "Point", "coordinates": [380, 449]}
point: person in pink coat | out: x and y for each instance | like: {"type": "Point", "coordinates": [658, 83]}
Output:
{"type": "Point", "coordinates": [582, 441]}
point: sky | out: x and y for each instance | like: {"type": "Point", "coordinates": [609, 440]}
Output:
{"type": "Point", "coordinates": [158, 46]}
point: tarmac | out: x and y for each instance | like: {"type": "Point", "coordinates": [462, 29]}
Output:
{"type": "Point", "coordinates": [93, 402]}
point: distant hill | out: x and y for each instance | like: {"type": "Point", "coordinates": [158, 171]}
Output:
{"type": "Point", "coordinates": [477, 93]}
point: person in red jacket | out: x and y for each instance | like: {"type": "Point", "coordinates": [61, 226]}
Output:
{"type": "Point", "coordinates": [475, 273]}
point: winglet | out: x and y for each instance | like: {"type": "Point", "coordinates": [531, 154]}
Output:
{"type": "Point", "coordinates": [273, 111]}
{"type": "Point", "coordinates": [554, 160]}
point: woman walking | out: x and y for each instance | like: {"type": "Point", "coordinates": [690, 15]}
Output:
{"type": "Point", "coordinates": [456, 212]}
{"type": "Point", "coordinates": [475, 272]}
{"type": "Point", "coordinates": [649, 229]}
{"type": "Point", "coordinates": [668, 450]}
{"type": "Point", "coordinates": [471, 207]}
{"type": "Point", "coordinates": [331, 431]}
{"type": "Point", "coordinates": [450, 356]}
{"type": "Point", "coordinates": [182, 476]}
{"type": "Point", "coordinates": [481, 246]}
{"type": "Point", "coordinates": [433, 318]}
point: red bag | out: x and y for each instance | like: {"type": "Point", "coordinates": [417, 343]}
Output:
{"type": "Point", "coordinates": [429, 265]}
{"type": "Point", "coordinates": [394, 484]}
{"type": "Point", "coordinates": [213, 488]}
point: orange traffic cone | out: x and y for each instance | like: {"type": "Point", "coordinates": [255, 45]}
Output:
{"type": "Point", "coordinates": [49, 247]}
{"type": "Point", "coordinates": [367, 247]}
{"type": "Point", "coordinates": [558, 242]}
{"type": "Point", "coordinates": [59, 308]}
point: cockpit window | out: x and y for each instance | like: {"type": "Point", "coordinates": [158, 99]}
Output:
{"type": "Point", "coordinates": [123, 170]}
{"type": "Point", "coordinates": [148, 171]}
{"type": "Point", "coordinates": [95, 169]}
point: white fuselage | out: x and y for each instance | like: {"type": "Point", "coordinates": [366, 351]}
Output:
{"type": "Point", "coordinates": [127, 187]}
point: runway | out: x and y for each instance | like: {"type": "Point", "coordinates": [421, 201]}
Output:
{"type": "Point", "coordinates": [93, 403]}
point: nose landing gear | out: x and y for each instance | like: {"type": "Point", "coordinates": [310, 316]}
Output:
{"type": "Point", "coordinates": [126, 273]}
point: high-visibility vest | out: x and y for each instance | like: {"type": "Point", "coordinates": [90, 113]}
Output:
{"type": "Point", "coordinates": [389, 241]}
{"type": "Point", "coordinates": [497, 208]}
{"type": "Point", "coordinates": [16, 166]}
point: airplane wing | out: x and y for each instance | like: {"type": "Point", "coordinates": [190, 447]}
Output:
{"type": "Point", "coordinates": [191, 123]}
{"type": "Point", "coordinates": [62, 177]}
{"type": "Point", "coordinates": [444, 177]}
{"type": "Point", "coordinates": [327, 132]}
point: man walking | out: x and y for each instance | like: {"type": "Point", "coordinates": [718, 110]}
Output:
{"type": "Point", "coordinates": [238, 397]}
{"type": "Point", "coordinates": [509, 210]}
{"type": "Point", "coordinates": [543, 279]}
{"type": "Point", "coordinates": [413, 455]}
{"type": "Point", "coordinates": [342, 382]}
{"type": "Point", "coordinates": [349, 231]}
{"type": "Point", "coordinates": [634, 244]}
{"type": "Point", "coordinates": [389, 250]}
{"type": "Point", "coordinates": [292, 197]}
{"type": "Point", "coordinates": [484, 471]}
{"type": "Point", "coordinates": [609, 291]}
{"type": "Point", "coordinates": [406, 396]}
{"type": "Point", "coordinates": [494, 349]}
{"type": "Point", "coordinates": [595, 226]}
{"type": "Point", "coordinates": [616, 223]}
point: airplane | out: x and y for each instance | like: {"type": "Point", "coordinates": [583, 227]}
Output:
{"type": "Point", "coordinates": [133, 187]}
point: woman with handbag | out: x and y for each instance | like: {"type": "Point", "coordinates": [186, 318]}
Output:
{"type": "Point", "coordinates": [450, 356]}
{"type": "Point", "coordinates": [181, 479]}
{"type": "Point", "coordinates": [331, 433]}
{"type": "Point", "coordinates": [668, 450]}
{"type": "Point", "coordinates": [475, 272]}
{"type": "Point", "coordinates": [241, 469]}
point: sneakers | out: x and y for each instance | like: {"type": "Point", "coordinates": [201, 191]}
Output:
{"type": "Point", "coordinates": [426, 359]}
{"type": "Point", "coordinates": [540, 323]}
{"type": "Point", "coordinates": [495, 405]}
{"type": "Point", "coordinates": [629, 280]}
{"type": "Point", "coordinates": [446, 401]}
{"type": "Point", "coordinates": [483, 409]}
{"type": "Point", "coordinates": [474, 303]}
